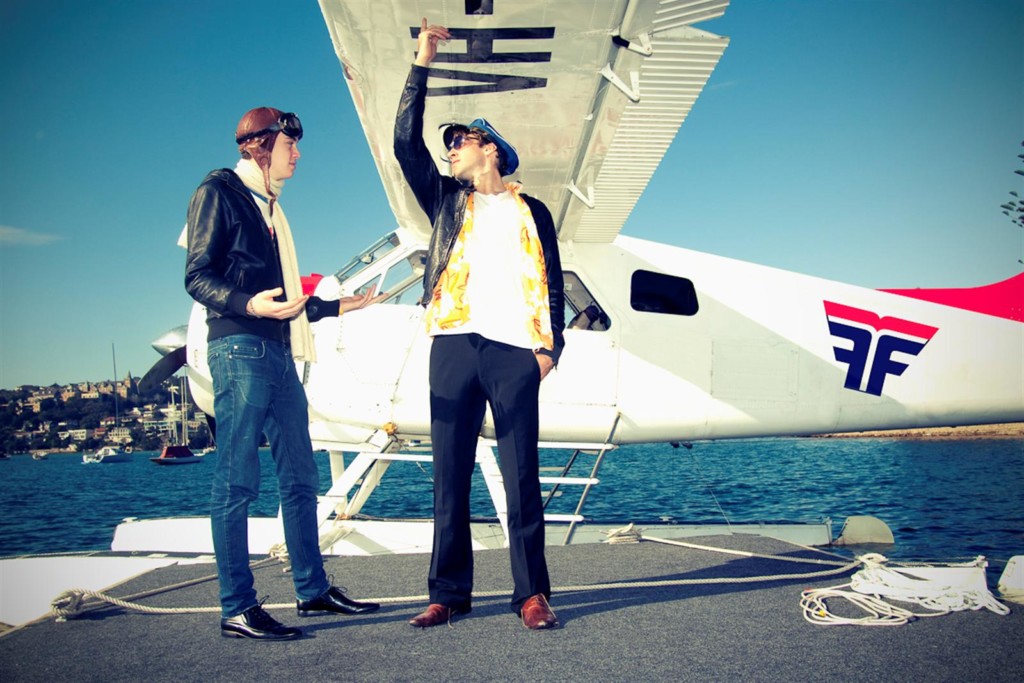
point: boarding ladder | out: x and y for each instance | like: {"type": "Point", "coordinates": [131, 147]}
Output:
{"type": "Point", "coordinates": [597, 451]}
{"type": "Point", "coordinates": [368, 467]}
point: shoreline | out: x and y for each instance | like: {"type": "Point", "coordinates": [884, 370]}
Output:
{"type": "Point", "coordinates": [1006, 430]}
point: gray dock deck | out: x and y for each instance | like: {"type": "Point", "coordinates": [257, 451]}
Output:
{"type": "Point", "coordinates": [734, 631]}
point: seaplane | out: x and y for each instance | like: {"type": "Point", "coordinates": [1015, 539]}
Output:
{"type": "Point", "coordinates": [663, 344]}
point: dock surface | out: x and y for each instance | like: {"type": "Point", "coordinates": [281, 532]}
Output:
{"type": "Point", "coordinates": [751, 631]}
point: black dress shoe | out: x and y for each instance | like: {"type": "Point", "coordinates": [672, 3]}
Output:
{"type": "Point", "coordinates": [256, 623]}
{"type": "Point", "coordinates": [334, 600]}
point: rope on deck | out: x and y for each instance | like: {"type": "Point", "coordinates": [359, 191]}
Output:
{"type": "Point", "coordinates": [74, 601]}
{"type": "Point", "coordinates": [71, 603]}
{"type": "Point", "coordinates": [866, 588]}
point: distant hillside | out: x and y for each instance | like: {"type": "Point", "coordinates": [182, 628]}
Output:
{"type": "Point", "coordinates": [1009, 430]}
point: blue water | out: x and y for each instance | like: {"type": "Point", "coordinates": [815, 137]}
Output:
{"type": "Point", "coordinates": [942, 499]}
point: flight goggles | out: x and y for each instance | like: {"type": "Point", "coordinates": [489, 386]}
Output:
{"type": "Point", "coordinates": [288, 124]}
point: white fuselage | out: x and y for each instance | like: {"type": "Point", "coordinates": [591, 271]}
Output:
{"type": "Point", "coordinates": [750, 351]}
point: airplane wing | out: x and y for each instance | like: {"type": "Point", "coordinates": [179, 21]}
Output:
{"type": "Point", "coordinates": [590, 93]}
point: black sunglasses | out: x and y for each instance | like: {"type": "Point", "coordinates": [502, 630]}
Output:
{"type": "Point", "coordinates": [455, 135]}
{"type": "Point", "coordinates": [288, 124]}
{"type": "Point", "coordinates": [459, 139]}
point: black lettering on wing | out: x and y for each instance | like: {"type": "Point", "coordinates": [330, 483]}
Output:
{"type": "Point", "coordinates": [488, 83]}
{"type": "Point", "coordinates": [480, 45]}
{"type": "Point", "coordinates": [480, 50]}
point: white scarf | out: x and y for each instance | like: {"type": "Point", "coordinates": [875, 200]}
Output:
{"type": "Point", "coordinates": [252, 175]}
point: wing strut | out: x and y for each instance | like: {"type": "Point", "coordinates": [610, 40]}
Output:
{"type": "Point", "coordinates": [587, 199]}
{"type": "Point", "coordinates": [632, 91]}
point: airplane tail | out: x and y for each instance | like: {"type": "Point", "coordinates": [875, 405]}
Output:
{"type": "Point", "coordinates": [1002, 299]}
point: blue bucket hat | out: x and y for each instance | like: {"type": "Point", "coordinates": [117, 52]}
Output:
{"type": "Point", "coordinates": [508, 158]}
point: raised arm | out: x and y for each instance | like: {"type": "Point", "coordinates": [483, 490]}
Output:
{"type": "Point", "coordinates": [418, 167]}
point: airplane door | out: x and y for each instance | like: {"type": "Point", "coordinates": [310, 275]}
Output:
{"type": "Point", "coordinates": [578, 398]}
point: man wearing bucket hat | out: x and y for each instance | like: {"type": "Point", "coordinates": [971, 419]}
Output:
{"type": "Point", "coordinates": [241, 265]}
{"type": "Point", "coordinates": [495, 309]}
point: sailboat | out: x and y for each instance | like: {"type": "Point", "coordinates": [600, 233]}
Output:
{"type": "Point", "coordinates": [112, 452]}
{"type": "Point", "coordinates": [178, 453]}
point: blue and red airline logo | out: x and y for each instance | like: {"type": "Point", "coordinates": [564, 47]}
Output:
{"type": "Point", "coordinates": [875, 339]}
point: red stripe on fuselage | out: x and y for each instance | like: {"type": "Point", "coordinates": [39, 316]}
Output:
{"type": "Point", "coordinates": [1003, 299]}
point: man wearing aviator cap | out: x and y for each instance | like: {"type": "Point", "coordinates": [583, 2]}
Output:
{"type": "Point", "coordinates": [241, 266]}
{"type": "Point", "coordinates": [495, 309]}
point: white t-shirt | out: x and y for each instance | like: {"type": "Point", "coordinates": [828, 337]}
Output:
{"type": "Point", "coordinates": [497, 303]}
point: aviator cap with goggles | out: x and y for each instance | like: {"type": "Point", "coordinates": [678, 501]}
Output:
{"type": "Point", "coordinates": [456, 134]}
{"type": "Point", "coordinates": [287, 123]}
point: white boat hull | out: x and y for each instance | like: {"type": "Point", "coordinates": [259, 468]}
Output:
{"type": "Point", "coordinates": [352, 537]}
{"type": "Point", "coordinates": [107, 455]}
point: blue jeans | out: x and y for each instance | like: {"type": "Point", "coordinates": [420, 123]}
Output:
{"type": "Point", "coordinates": [257, 389]}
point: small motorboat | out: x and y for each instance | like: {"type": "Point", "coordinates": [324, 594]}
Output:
{"type": "Point", "coordinates": [108, 454]}
{"type": "Point", "coordinates": [176, 455]}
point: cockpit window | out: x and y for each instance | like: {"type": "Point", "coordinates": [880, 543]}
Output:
{"type": "Point", "coordinates": [582, 312]}
{"type": "Point", "coordinates": [659, 293]}
{"type": "Point", "coordinates": [374, 252]}
{"type": "Point", "coordinates": [404, 280]}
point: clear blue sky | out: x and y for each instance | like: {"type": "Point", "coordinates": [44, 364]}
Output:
{"type": "Point", "coordinates": [866, 141]}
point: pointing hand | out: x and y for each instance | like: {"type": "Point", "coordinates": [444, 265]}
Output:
{"type": "Point", "coordinates": [426, 48]}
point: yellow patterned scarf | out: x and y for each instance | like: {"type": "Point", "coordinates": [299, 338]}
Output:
{"type": "Point", "coordinates": [449, 307]}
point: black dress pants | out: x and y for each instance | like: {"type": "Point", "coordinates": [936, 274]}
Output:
{"type": "Point", "coordinates": [468, 371]}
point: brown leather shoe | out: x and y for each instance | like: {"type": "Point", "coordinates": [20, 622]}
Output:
{"type": "Point", "coordinates": [432, 616]}
{"type": "Point", "coordinates": [537, 614]}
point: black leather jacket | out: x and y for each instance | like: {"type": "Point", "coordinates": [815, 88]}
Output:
{"type": "Point", "coordinates": [231, 257]}
{"type": "Point", "coordinates": [443, 199]}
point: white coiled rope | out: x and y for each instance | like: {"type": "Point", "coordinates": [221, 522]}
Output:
{"type": "Point", "coordinates": [869, 588]}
